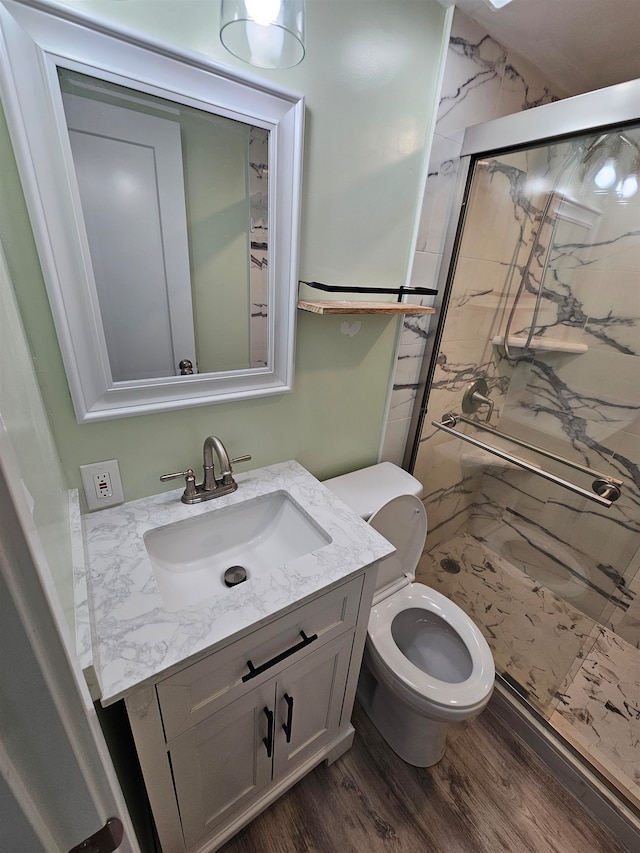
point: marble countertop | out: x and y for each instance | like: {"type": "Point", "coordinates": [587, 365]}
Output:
{"type": "Point", "coordinates": [135, 637]}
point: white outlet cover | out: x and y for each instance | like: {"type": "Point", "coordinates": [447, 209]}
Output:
{"type": "Point", "coordinates": [88, 472]}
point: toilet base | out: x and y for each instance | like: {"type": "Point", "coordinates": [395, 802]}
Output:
{"type": "Point", "coordinates": [418, 740]}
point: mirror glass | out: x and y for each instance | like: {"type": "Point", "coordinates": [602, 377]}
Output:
{"type": "Point", "coordinates": [175, 206]}
{"type": "Point", "coordinates": [164, 195]}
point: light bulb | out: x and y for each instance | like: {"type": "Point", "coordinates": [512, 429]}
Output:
{"type": "Point", "coordinates": [606, 176]}
{"type": "Point", "coordinates": [263, 12]}
{"type": "Point", "coordinates": [629, 186]}
{"type": "Point", "coordinates": [265, 44]}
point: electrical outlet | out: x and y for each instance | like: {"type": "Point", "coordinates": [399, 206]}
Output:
{"type": "Point", "coordinates": [102, 484]}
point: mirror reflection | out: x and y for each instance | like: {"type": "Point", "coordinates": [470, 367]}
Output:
{"type": "Point", "coordinates": [175, 207]}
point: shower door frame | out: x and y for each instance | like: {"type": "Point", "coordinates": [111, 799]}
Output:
{"type": "Point", "coordinates": [591, 112]}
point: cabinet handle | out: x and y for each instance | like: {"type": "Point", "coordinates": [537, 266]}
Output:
{"type": "Point", "coordinates": [268, 740]}
{"type": "Point", "coordinates": [286, 727]}
{"type": "Point", "coordinates": [258, 670]}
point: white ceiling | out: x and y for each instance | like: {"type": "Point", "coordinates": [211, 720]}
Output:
{"type": "Point", "coordinates": [580, 45]}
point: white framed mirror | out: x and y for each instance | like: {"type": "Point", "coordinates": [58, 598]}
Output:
{"type": "Point", "coordinates": [164, 192]}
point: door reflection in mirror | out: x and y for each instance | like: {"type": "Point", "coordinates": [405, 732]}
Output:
{"type": "Point", "coordinates": [175, 208]}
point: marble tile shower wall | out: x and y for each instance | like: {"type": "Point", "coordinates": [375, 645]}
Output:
{"type": "Point", "coordinates": [482, 80]}
{"type": "Point", "coordinates": [584, 403]}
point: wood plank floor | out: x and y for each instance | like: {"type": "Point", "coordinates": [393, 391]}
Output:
{"type": "Point", "coordinates": [489, 793]}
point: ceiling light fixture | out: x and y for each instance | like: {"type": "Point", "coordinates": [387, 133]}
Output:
{"type": "Point", "coordinates": [264, 33]}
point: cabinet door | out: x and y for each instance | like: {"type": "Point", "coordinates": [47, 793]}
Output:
{"type": "Point", "coordinates": [309, 698]}
{"type": "Point", "coordinates": [222, 764]}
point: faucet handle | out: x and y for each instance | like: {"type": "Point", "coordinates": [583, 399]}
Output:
{"type": "Point", "coordinates": [190, 480]}
{"type": "Point", "coordinates": [187, 473]}
{"type": "Point", "coordinates": [476, 395]}
{"type": "Point", "coordinates": [227, 478]}
{"type": "Point", "coordinates": [240, 459]}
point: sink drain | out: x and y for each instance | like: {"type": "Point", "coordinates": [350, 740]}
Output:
{"type": "Point", "coordinates": [235, 575]}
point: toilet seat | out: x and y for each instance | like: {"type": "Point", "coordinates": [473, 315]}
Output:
{"type": "Point", "coordinates": [440, 699]}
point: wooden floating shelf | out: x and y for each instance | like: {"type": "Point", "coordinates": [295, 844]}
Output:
{"type": "Point", "coordinates": [336, 307]}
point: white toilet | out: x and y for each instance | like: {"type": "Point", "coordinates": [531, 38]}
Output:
{"type": "Point", "coordinates": [426, 664]}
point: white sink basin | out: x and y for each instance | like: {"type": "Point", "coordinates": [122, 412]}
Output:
{"type": "Point", "coordinates": [189, 558]}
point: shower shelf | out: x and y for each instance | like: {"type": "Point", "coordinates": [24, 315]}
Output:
{"type": "Point", "coordinates": [542, 344]}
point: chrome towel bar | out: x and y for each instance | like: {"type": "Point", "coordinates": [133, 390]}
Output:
{"type": "Point", "coordinates": [607, 487]}
{"type": "Point", "coordinates": [541, 450]}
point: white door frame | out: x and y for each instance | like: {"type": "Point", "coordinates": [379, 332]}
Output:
{"type": "Point", "coordinates": [48, 692]}
{"type": "Point", "coordinates": [57, 782]}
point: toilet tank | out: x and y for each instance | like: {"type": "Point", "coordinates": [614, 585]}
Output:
{"type": "Point", "coordinates": [368, 489]}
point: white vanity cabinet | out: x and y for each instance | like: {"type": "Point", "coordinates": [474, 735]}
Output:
{"type": "Point", "coordinates": [209, 687]}
{"type": "Point", "coordinates": [221, 738]}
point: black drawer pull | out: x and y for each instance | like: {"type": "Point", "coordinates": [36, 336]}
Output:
{"type": "Point", "coordinates": [258, 670]}
{"type": "Point", "coordinates": [286, 727]}
{"type": "Point", "coordinates": [268, 740]}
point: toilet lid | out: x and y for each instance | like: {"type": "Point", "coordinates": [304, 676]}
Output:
{"type": "Point", "coordinates": [403, 522]}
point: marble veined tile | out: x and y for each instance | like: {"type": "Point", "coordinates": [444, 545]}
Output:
{"type": "Point", "coordinates": [424, 273]}
{"type": "Point", "coordinates": [404, 390]}
{"type": "Point", "coordinates": [601, 706]}
{"type": "Point", "coordinates": [534, 635]}
{"type": "Point", "coordinates": [616, 246]}
{"type": "Point", "coordinates": [449, 488]}
{"type": "Point", "coordinates": [558, 541]}
{"type": "Point", "coordinates": [625, 622]}
{"type": "Point", "coordinates": [439, 191]}
{"type": "Point", "coordinates": [442, 150]}
{"type": "Point", "coordinates": [475, 65]}
{"type": "Point", "coordinates": [556, 563]}
{"type": "Point", "coordinates": [581, 675]}
{"type": "Point", "coordinates": [501, 218]}
{"type": "Point", "coordinates": [523, 87]}
{"type": "Point", "coordinates": [611, 302]}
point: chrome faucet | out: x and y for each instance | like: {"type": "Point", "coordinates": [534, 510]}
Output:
{"type": "Point", "coordinates": [210, 444]}
{"type": "Point", "coordinates": [211, 486]}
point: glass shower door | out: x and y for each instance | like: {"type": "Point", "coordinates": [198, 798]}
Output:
{"type": "Point", "coordinates": [544, 307]}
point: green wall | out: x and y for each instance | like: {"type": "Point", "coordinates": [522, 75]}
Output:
{"type": "Point", "coordinates": [370, 78]}
{"type": "Point", "coordinates": [216, 154]}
